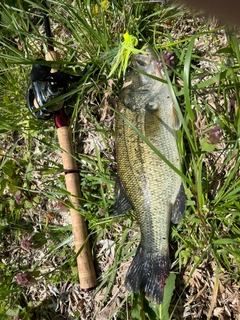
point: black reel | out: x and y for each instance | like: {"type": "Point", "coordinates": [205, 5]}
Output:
{"type": "Point", "coordinates": [46, 86]}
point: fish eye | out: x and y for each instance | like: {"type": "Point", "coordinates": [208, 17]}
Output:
{"type": "Point", "coordinates": [141, 63]}
{"type": "Point", "coordinates": [129, 69]}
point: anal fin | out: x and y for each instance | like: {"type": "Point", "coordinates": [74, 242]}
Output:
{"type": "Point", "coordinates": [122, 203]}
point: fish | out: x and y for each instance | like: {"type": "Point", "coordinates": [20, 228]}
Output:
{"type": "Point", "coordinates": [145, 182]}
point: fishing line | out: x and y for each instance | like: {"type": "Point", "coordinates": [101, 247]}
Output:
{"type": "Point", "coordinates": [47, 26]}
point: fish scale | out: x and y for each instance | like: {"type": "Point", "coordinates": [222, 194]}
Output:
{"type": "Point", "coordinates": [144, 165]}
{"type": "Point", "coordinates": [145, 182]}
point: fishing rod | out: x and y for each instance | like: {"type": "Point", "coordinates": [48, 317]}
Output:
{"type": "Point", "coordinates": [47, 84]}
{"type": "Point", "coordinates": [47, 26]}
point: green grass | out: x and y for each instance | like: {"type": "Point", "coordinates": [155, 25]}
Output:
{"type": "Point", "coordinates": [204, 79]}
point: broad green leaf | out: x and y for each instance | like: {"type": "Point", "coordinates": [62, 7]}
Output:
{"type": "Point", "coordinates": [206, 145]}
{"type": "Point", "coordinates": [167, 297]}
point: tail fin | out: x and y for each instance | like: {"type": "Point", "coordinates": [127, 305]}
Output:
{"type": "Point", "coordinates": [148, 273]}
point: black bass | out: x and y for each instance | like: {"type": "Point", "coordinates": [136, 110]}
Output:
{"type": "Point", "coordinates": [145, 182]}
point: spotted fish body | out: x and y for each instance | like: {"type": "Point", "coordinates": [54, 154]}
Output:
{"type": "Point", "coordinates": [145, 182]}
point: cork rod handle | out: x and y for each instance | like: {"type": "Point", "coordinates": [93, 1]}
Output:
{"type": "Point", "coordinates": [86, 271]}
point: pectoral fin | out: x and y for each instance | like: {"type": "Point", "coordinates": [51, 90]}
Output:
{"type": "Point", "coordinates": [176, 121]}
{"type": "Point", "coordinates": [179, 206]}
{"type": "Point", "coordinates": [122, 203]}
